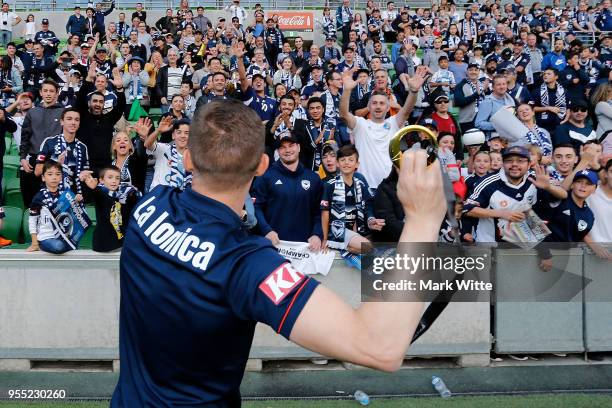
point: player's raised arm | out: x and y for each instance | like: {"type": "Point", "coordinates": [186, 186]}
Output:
{"type": "Point", "coordinates": [377, 334]}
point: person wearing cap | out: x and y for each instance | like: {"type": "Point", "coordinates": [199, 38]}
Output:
{"type": "Point", "coordinates": [576, 130]}
{"type": "Point", "coordinates": [444, 121]}
{"type": "Point", "coordinates": [360, 95]}
{"type": "Point", "coordinates": [316, 84]}
{"type": "Point", "coordinates": [47, 38]}
{"type": "Point", "coordinates": [135, 82]}
{"type": "Point", "coordinates": [75, 23]}
{"type": "Point", "coordinates": [518, 91]}
{"type": "Point", "coordinates": [520, 60]}
{"type": "Point", "coordinates": [570, 219]}
{"type": "Point", "coordinates": [287, 198]}
{"type": "Point", "coordinates": [468, 96]}
{"type": "Point", "coordinates": [330, 52]}
{"type": "Point", "coordinates": [503, 197]}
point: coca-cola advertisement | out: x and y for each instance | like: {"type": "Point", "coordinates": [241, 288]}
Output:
{"type": "Point", "coordinates": [294, 20]}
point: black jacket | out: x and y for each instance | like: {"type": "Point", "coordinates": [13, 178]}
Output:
{"type": "Point", "coordinates": [388, 207]}
{"type": "Point", "coordinates": [161, 82]}
{"type": "Point", "coordinates": [96, 131]}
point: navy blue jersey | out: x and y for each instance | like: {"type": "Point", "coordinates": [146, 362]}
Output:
{"type": "Point", "coordinates": [193, 286]}
{"type": "Point", "coordinates": [263, 105]}
{"type": "Point", "coordinates": [566, 220]}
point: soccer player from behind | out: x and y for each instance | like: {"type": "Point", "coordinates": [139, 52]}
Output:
{"type": "Point", "coordinates": [114, 201]}
{"type": "Point", "coordinates": [346, 206]}
{"type": "Point", "coordinates": [187, 258]}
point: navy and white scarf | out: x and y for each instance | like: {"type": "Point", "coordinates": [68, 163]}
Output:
{"type": "Point", "coordinates": [77, 151]}
{"type": "Point", "coordinates": [338, 207]}
{"type": "Point", "coordinates": [469, 31]}
{"type": "Point", "coordinates": [314, 132]}
{"type": "Point", "coordinates": [50, 200]}
{"type": "Point", "coordinates": [538, 137]}
{"type": "Point", "coordinates": [122, 193]}
{"type": "Point", "coordinates": [559, 100]}
{"type": "Point", "coordinates": [475, 88]}
{"type": "Point", "coordinates": [125, 175]}
{"type": "Point", "coordinates": [178, 176]}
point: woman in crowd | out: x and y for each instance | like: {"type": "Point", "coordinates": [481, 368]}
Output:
{"type": "Point", "coordinates": [535, 135]}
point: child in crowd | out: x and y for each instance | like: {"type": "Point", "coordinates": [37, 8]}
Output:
{"type": "Point", "coordinates": [66, 150]}
{"type": "Point", "coordinates": [496, 161]}
{"type": "Point", "coordinates": [482, 166]}
{"type": "Point", "coordinates": [114, 202]}
{"type": "Point", "coordinates": [347, 211]}
{"type": "Point", "coordinates": [169, 167]}
{"type": "Point", "coordinates": [496, 143]}
{"type": "Point", "coordinates": [443, 77]}
{"type": "Point", "coordinates": [45, 232]}
{"type": "Point", "coordinates": [190, 101]}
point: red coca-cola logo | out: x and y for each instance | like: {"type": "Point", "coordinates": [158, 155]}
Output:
{"type": "Point", "coordinates": [292, 21]}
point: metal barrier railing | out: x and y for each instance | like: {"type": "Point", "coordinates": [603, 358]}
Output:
{"type": "Point", "coordinates": [67, 5]}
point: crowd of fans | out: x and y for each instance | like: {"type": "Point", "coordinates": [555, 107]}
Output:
{"type": "Point", "coordinates": [330, 110]}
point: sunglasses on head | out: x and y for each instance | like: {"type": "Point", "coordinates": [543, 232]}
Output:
{"type": "Point", "coordinates": [579, 109]}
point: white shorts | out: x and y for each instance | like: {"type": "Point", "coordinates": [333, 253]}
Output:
{"type": "Point", "coordinates": [348, 235]}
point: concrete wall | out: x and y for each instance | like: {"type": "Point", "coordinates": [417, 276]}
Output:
{"type": "Point", "coordinates": [58, 20]}
{"type": "Point", "coordinates": [67, 307]}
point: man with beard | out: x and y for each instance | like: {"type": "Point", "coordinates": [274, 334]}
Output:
{"type": "Point", "coordinates": [287, 198]}
{"type": "Point", "coordinates": [281, 125]}
{"type": "Point", "coordinates": [97, 128]}
{"type": "Point", "coordinates": [500, 198]}
{"type": "Point", "coordinates": [372, 136]}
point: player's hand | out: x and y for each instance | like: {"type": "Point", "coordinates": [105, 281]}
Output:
{"type": "Point", "coordinates": [601, 252]}
{"type": "Point", "coordinates": [546, 265]}
{"type": "Point", "coordinates": [79, 198]}
{"type": "Point", "coordinates": [273, 237]}
{"type": "Point", "coordinates": [314, 243]}
{"type": "Point", "coordinates": [420, 189]}
{"type": "Point", "coordinates": [376, 224]}
{"type": "Point", "coordinates": [513, 216]}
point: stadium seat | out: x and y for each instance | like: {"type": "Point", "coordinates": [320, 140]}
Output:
{"type": "Point", "coordinates": [13, 198]}
{"type": "Point", "coordinates": [11, 161]}
{"type": "Point", "coordinates": [12, 184]}
{"type": "Point", "coordinates": [87, 240]}
{"type": "Point", "coordinates": [12, 223]}
{"type": "Point", "coordinates": [392, 75]}
{"type": "Point", "coordinates": [25, 227]}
